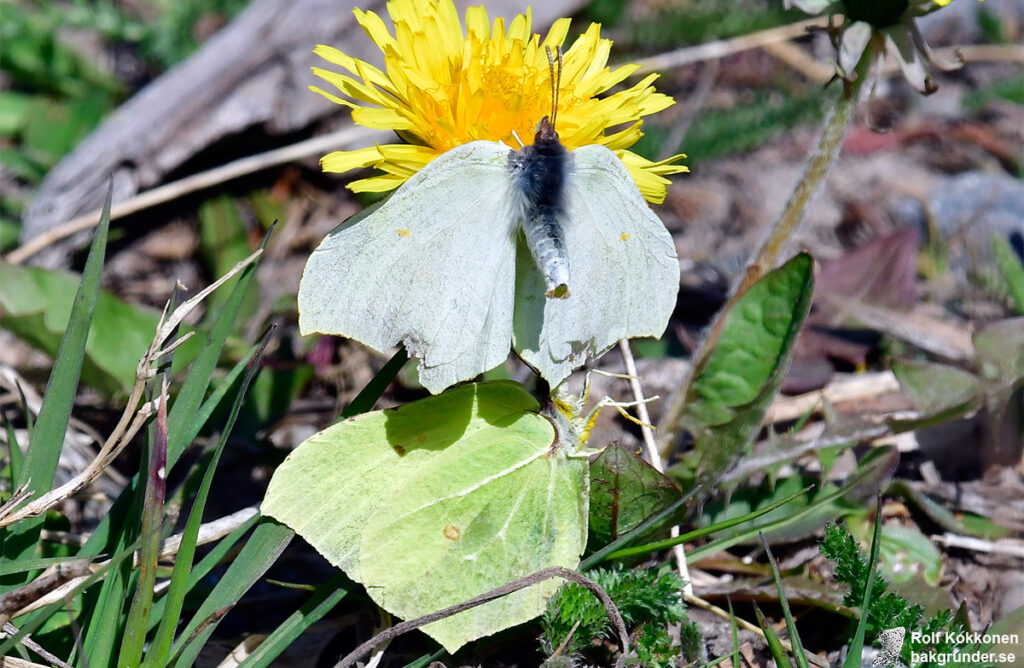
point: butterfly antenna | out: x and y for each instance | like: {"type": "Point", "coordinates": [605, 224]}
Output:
{"type": "Point", "coordinates": [556, 80]}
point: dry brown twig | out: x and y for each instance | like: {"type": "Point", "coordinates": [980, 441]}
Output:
{"type": "Point", "coordinates": [132, 419]}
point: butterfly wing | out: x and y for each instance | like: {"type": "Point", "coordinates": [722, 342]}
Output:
{"type": "Point", "coordinates": [625, 273]}
{"type": "Point", "coordinates": [431, 268]}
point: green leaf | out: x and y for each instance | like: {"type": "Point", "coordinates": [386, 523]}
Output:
{"type": "Point", "coordinates": [1012, 270]}
{"type": "Point", "coordinates": [441, 500]}
{"type": "Point", "coordinates": [53, 128]}
{"type": "Point", "coordinates": [13, 112]}
{"type": "Point", "coordinates": [1000, 350]}
{"type": "Point", "coordinates": [9, 232]}
{"type": "Point", "coordinates": [37, 302]}
{"type": "Point", "coordinates": [624, 491]}
{"type": "Point", "coordinates": [903, 553]}
{"type": "Point", "coordinates": [936, 388]}
{"type": "Point", "coordinates": [40, 465]}
{"type": "Point", "coordinates": [733, 385]}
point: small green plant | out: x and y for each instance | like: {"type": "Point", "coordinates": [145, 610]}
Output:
{"type": "Point", "coordinates": [648, 601]}
{"type": "Point", "coordinates": [886, 609]}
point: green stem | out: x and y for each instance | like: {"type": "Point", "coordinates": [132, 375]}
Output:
{"type": "Point", "coordinates": [824, 154]}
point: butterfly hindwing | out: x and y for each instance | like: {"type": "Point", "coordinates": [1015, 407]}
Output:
{"type": "Point", "coordinates": [625, 273]}
{"type": "Point", "coordinates": [437, 263]}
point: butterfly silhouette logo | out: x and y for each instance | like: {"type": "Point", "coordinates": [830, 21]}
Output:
{"type": "Point", "coordinates": [892, 642]}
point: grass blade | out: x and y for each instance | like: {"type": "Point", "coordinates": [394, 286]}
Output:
{"type": "Point", "coordinates": [152, 518]}
{"type": "Point", "coordinates": [40, 464]}
{"type": "Point", "coordinates": [774, 644]}
{"type": "Point", "coordinates": [853, 656]}
{"type": "Point", "coordinates": [794, 636]}
{"type": "Point", "coordinates": [856, 482]}
{"type": "Point", "coordinates": [35, 564]}
{"type": "Point", "coordinates": [260, 552]}
{"type": "Point", "coordinates": [160, 648]}
{"type": "Point", "coordinates": [16, 459]}
{"type": "Point", "coordinates": [214, 557]}
{"type": "Point", "coordinates": [369, 395]}
{"type": "Point", "coordinates": [116, 528]}
{"type": "Point", "coordinates": [188, 412]}
{"type": "Point", "coordinates": [735, 635]}
{"type": "Point", "coordinates": [698, 533]}
{"type": "Point", "coordinates": [37, 618]}
{"type": "Point", "coordinates": [266, 543]}
{"type": "Point", "coordinates": [181, 428]}
{"type": "Point", "coordinates": [186, 417]}
{"type": "Point", "coordinates": [326, 597]}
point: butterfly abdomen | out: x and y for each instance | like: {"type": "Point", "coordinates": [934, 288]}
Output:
{"type": "Point", "coordinates": [539, 173]}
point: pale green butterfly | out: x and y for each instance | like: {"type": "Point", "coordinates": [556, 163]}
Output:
{"type": "Point", "coordinates": [440, 500]}
{"type": "Point", "coordinates": [444, 267]}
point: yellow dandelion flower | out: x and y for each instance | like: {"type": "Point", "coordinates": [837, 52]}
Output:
{"type": "Point", "coordinates": [443, 87]}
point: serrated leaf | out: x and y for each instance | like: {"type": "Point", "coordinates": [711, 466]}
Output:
{"type": "Point", "coordinates": [624, 491]}
{"type": "Point", "coordinates": [36, 304]}
{"type": "Point", "coordinates": [935, 388]}
{"type": "Point", "coordinates": [731, 390]}
{"type": "Point", "coordinates": [440, 500]}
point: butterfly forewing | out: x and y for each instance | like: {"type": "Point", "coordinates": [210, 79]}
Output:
{"type": "Point", "coordinates": [432, 268]}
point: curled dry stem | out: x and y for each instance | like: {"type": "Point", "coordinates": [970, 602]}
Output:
{"type": "Point", "coordinates": [134, 415]}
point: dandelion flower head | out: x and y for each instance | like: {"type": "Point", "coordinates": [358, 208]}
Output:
{"type": "Point", "coordinates": [444, 86]}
